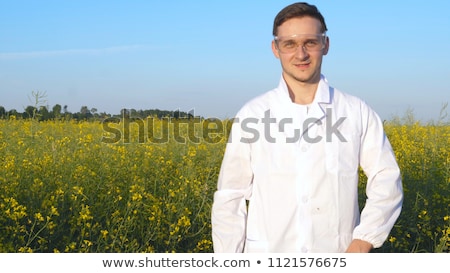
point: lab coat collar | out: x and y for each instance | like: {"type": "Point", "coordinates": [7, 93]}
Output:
{"type": "Point", "coordinates": [323, 91]}
{"type": "Point", "coordinates": [283, 107]}
{"type": "Point", "coordinates": [323, 96]}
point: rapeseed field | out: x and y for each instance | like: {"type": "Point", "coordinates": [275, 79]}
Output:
{"type": "Point", "coordinates": [66, 187]}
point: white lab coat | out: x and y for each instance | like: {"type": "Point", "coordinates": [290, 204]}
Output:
{"type": "Point", "coordinates": [302, 192]}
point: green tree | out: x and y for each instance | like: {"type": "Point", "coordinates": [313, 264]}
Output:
{"type": "Point", "coordinates": [85, 113]}
{"type": "Point", "coordinates": [2, 112]}
{"type": "Point", "coordinates": [44, 114]}
{"type": "Point", "coordinates": [57, 111]}
{"type": "Point", "coordinates": [12, 112]}
{"type": "Point", "coordinates": [30, 112]}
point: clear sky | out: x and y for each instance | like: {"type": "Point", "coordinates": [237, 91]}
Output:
{"type": "Point", "coordinates": [213, 56]}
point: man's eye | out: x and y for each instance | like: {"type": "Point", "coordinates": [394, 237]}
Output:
{"type": "Point", "coordinates": [311, 43]}
{"type": "Point", "coordinates": [289, 44]}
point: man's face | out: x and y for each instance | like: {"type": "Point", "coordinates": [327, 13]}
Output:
{"type": "Point", "coordinates": [302, 65]}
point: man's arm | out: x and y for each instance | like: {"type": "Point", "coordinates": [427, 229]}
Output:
{"type": "Point", "coordinates": [229, 210]}
{"type": "Point", "coordinates": [384, 186]}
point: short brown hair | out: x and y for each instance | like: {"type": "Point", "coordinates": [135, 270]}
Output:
{"type": "Point", "coordinates": [300, 9]}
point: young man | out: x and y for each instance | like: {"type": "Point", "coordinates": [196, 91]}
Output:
{"type": "Point", "coordinates": [289, 176]}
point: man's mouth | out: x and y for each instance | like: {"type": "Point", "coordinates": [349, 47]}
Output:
{"type": "Point", "coordinates": [303, 65]}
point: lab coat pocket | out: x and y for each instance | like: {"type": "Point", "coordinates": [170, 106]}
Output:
{"type": "Point", "coordinates": [343, 154]}
{"type": "Point", "coordinates": [252, 246]}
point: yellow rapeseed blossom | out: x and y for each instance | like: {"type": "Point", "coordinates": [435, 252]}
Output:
{"type": "Point", "coordinates": [85, 213]}
{"type": "Point", "coordinates": [136, 197]}
{"type": "Point", "coordinates": [39, 217]}
{"type": "Point", "coordinates": [104, 233]}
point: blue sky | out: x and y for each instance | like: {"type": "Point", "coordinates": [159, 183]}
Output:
{"type": "Point", "coordinates": [213, 56]}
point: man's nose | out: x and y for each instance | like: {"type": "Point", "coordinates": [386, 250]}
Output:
{"type": "Point", "coordinates": [301, 52]}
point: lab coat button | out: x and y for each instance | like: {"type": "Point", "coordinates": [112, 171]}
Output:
{"type": "Point", "coordinates": [305, 199]}
{"type": "Point", "coordinates": [304, 149]}
{"type": "Point", "coordinates": [304, 249]}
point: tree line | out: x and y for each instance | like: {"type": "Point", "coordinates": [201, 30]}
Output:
{"type": "Point", "coordinates": [42, 113]}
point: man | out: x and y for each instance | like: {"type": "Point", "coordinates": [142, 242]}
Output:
{"type": "Point", "coordinates": [289, 176]}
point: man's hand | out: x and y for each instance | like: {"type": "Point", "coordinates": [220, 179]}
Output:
{"type": "Point", "coordinates": [359, 246]}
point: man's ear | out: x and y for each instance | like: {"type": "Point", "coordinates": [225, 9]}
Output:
{"type": "Point", "coordinates": [275, 50]}
{"type": "Point", "coordinates": [327, 46]}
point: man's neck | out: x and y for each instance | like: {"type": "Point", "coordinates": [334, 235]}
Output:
{"type": "Point", "coordinates": [302, 93]}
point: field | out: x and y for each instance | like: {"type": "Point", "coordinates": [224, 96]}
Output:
{"type": "Point", "coordinates": [68, 186]}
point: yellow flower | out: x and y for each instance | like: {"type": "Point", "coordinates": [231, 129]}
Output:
{"type": "Point", "coordinates": [192, 151]}
{"type": "Point", "coordinates": [78, 190]}
{"type": "Point", "coordinates": [85, 213]}
{"type": "Point", "coordinates": [184, 221]}
{"type": "Point", "coordinates": [54, 211]}
{"type": "Point", "coordinates": [39, 217]}
{"type": "Point", "coordinates": [136, 197]}
{"type": "Point", "coordinates": [87, 243]}
{"type": "Point", "coordinates": [171, 193]}
{"type": "Point", "coordinates": [25, 249]}
{"type": "Point", "coordinates": [104, 233]}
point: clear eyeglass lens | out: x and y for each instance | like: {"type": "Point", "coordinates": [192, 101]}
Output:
{"type": "Point", "coordinates": [309, 43]}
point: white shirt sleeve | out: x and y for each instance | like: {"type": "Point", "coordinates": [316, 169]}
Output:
{"type": "Point", "coordinates": [229, 210]}
{"type": "Point", "coordinates": [384, 186]}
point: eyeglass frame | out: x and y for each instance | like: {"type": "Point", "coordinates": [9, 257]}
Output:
{"type": "Point", "coordinates": [321, 37]}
